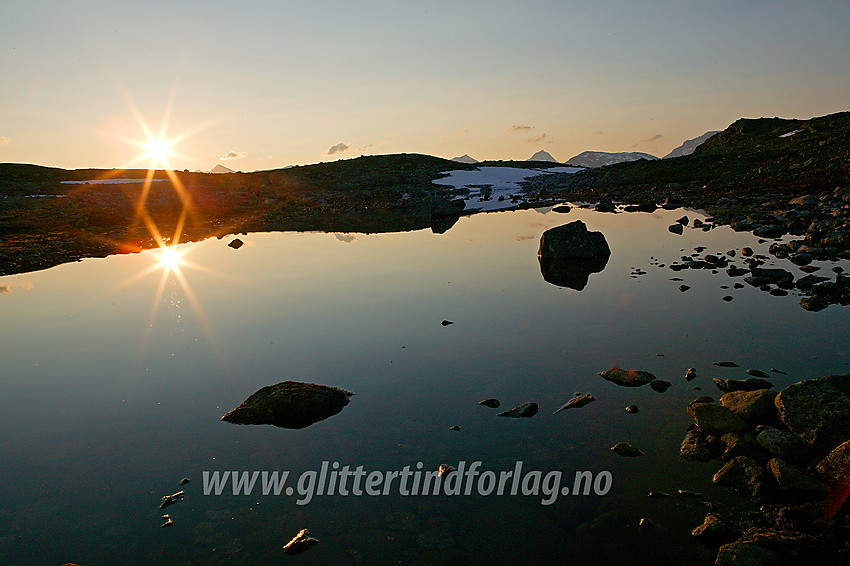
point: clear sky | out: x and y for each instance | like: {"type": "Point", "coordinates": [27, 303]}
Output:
{"type": "Point", "coordinates": [282, 82]}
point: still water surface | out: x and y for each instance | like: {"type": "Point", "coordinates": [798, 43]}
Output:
{"type": "Point", "coordinates": [114, 374]}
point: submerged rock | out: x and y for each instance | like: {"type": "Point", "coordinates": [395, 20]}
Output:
{"type": "Point", "coordinates": [660, 385]}
{"type": "Point", "coordinates": [714, 419]}
{"type": "Point", "coordinates": [576, 402]}
{"type": "Point", "coordinates": [526, 410]}
{"type": "Point", "coordinates": [171, 499]}
{"type": "Point", "coordinates": [742, 473]}
{"type": "Point", "coordinates": [755, 407]}
{"type": "Point", "coordinates": [726, 364]}
{"type": "Point", "coordinates": [751, 384]}
{"type": "Point", "coordinates": [444, 470]}
{"type": "Point", "coordinates": [632, 409]}
{"type": "Point", "coordinates": [300, 542]}
{"type": "Point", "coordinates": [716, 529]}
{"type": "Point", "coordinates": [492, 403]}
{"type": "Point", "coordinates": [290, 404]}
{"type": "Point", "coordinates": [626, 449]}
{"type": "Point", "coordinates": [696, 447]}
{"type": "Point", "coordinates": [631, 378]}
{"type": "Point", "coordinates": [691, 374]}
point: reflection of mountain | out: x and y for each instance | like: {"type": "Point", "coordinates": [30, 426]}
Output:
{"type": "Point", "coordinates": [572, 273]}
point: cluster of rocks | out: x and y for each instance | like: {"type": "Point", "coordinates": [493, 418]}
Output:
{"type": "Point", "coordinates": [817, 291]}
{"type": "Point", "coordinates": [790, 452]}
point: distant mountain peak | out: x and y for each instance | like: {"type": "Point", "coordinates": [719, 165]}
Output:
{"type": "Point", "coordinates": [465, 159]}
{"type": "Point", "coordinates": [221, 169]}
{"type": "Point", "coordinates": [689, 146]}
{"type": "Point", "coordinates": [603, 158]}
{"type": "Point", "coordinates": [542, 155]}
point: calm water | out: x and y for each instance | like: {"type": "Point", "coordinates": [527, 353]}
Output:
{"type": "Point", "coordinates": [114, 375]}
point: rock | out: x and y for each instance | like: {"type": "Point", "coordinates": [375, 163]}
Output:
{"type": "Point", "coordinates": [300, 542]}
{"type": "Point", "coordinates": [236, 243]}
{"type": "Point", "coordinates": [755, 407]}
{"type": "Point", "coordinates": [747, 252]}
{"type": "Point", "coordinates": [756, 373]}
{"type": "Point", "coordinates": [445, 470]}
{"type": "Point", "coordinates": [696, 447]}
{"type": "Point", "coordinates": [645, 523]}
{"type": "Point", "coordinates": [737, 445]}
{"type": "Point", "coordinates": [184, 481]}
{"type": "Point", "coordinates": [726, 364]}
{"type": "Point", "coordinates": [691, 374]}
{"type": "Point", "coordinates": [783, 444]}
{"type": "Point", "coordinates": [770, 276]}
{"type": "Point", "coordinates": [728, 298]}
{"type": "Point", "coordinates": [563, 208]}
{"type": "Point", "coordinates": [688, 493]}
{"type": "Point", "coordinates": [290, 404]}
{"type": "Point", "coordinates": [632, 409]}
{"type": "Point", "coordinates": [746, 553]}
{"type": "Point", "coordinates": [660, 385]}
{"type": "Point", "coordinates": [626, 449]}
{"type": "Point", "coordinates": [716, 529]}
{"type": "Point", "coordinates": [526, 410]}
{"type": "Point", "coordinates": [751, 384]}
{"type": "Point", "coordinates": [631, 378]}
{"type": "Point", "coordinates": [492, 403]}
{"type": "Point", "coordinates": [604, 206]}
{"type": "Point", "coordinates": [791, 478]}
{"type": "Point", "coordinates": [171, 499]}
{"type": "Point", "coordinates": [572, 241]}
{"type": "Point", "coordinates": [743, 474]}
{"type": "Point", "coordinates": [676, 229]}
{"type": "Point", "coordinates": [714, 419]}
{"type": "Point", "coordinates": [835, 468]}
{"type": "Point", "coordinates": [683, 221]}
{"type": "Point", "coordinates": [576, 402]}
{"type": "Point", "coordinates": [735, 271]}
{"type": "Point", "coordinates": [683, 288]}
{"type": "Point", "coordinates": [657, 494]}
{"type": "Point", "coordinates": [818, 410]}
{"type": "Point", "coordinates": [446, 322]}
{"type": "Point", "coordinates": [703, 399]}
{"type": "Point", "coordinates": [568, 254]}
{"type": "Point", "coordinates": [455, 428]}
{"type": "Point", "coordinates": [167, 522]}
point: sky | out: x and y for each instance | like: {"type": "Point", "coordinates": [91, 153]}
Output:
{"type": "Point", "coordinates": [256, 85]}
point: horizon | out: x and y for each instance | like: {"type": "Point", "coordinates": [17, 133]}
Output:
{"type": "Point", "coordinates": [140, 85]}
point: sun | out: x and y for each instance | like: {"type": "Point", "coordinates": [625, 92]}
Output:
{"type": "Point", "coordinates": [170, 259]}
{"type": "Point", "coordinates": [158, 151]}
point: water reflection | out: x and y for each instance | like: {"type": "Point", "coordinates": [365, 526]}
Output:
{"type": "Point", "coordinates": [571, 273]}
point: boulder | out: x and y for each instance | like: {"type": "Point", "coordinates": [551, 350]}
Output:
{"type": "Point", "coordinates": [818, 410]}
{"type": "Point", "coordinates": [716, 529]}
{"type": "Point", "coordinates": [568, 254]}
{"type": "Point", "coordinates": [696, 447]}
{"type": "Point", "coordinates": [785, 445]}
{"type": "Point", "coordinates": [572, 241]}
{"type": "Point", "coordinates": [835, 468]}
{"type": "Point", "coordinates": [714, 419]}
{"type": "Point", "coordinates": [290, 404]}
{"type": "Point", "coordinates": [742, 474]}
{"type": "Point", "coordinates": [755, 407]}
{"type": "Point", "coordinates": [791, 478]}
{"type": "Point", "coordinates": [630, 378]}
{"type": "Point", "coordinates": [576, 402]}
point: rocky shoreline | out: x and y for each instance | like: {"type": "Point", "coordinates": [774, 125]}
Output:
{"type": "Point", "coordinates": [789, 453]}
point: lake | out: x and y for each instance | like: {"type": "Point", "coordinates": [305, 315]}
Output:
{"type": "Point", "coordinates": [115, 374]}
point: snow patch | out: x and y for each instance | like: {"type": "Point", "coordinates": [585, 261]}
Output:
{"type": "Point", "coordinates": [487, 185]}
{"type": "Point", "coordinates": [789, 134]}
